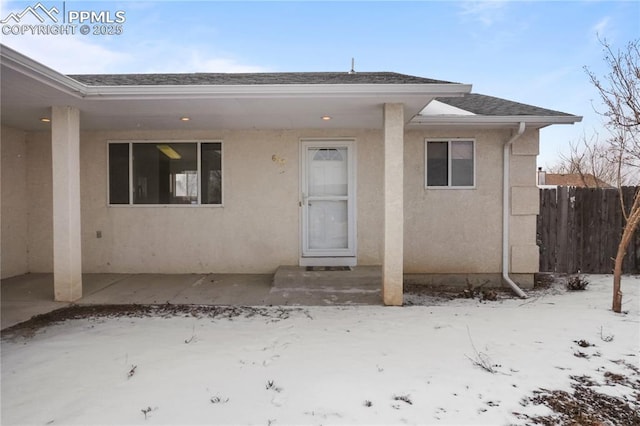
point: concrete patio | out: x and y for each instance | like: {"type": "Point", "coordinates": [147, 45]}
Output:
{"type": "Point", "coordinates": [32, 294]}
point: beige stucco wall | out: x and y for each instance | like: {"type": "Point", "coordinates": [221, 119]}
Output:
{"type": "Point", "coordinates": [255, 231]}
{"type": "Point", "coordinates": [524, 253]}
{"type": "Point", "coordinates": [40, 199]}
{"type": "Point", "coordinates": [446, 231]}
{"type": "Point", "coordinates": [14, 203]}
{"type": "Point", "coordinates": [460, 230]}
{"type": "Point", "coordinates": [454, 230]}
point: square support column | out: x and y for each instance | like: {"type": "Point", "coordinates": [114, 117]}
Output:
{"type": "Point", "coordinates": [65, 156]}
{"type": "Point", "coordinates": [392, 263]}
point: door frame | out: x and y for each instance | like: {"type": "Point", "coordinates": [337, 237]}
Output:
{"type": "Point", "coordinates": [340, 257]}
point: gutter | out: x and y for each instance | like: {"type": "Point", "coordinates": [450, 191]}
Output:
{"type": "Point", "coordinates": [274, 91]}
{"type": "Point", "coordinates": [505, 212]}
{"type": "Point", "coordinates": [490, 120]}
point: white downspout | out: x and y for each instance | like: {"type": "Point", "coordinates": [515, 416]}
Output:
{"type": "Point", "coordinates": [505, 212]}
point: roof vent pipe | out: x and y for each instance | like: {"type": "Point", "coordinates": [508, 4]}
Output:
{"type": "Point", "coordinates": [505, 212]}
{"type": "Point", "coordinates": [353, 66]}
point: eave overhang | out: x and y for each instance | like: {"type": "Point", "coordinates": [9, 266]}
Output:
{"type": "Point", "coordinates": [277, 91]}
{"type": "Point", "coordinates": [534, 121]}
{"type": "Point", "coordinates": [29, 68]}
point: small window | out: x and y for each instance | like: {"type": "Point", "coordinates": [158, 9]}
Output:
{"type": "Point", "coordinates": [450, 163]}
{"type": "Point", "coordinates": [163, 173]}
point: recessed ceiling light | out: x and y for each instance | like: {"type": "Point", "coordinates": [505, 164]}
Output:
{"type": "Point", "coordinates": [184, 119]}
{"type": "Point", "coordinates": [45, 119]}
{"type": "Point", "coordinates": [326, 117]}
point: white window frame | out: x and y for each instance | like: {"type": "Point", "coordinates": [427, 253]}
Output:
{"type": "Point", "coordinates": [198, 143]}
{"type": "Point", "coordinates": [449, 168]}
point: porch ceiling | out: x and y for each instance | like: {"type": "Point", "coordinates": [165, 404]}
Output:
{"type": "Point", "coordinates": [29, 89]}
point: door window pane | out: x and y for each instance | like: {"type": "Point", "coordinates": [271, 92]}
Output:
{"type": "Point", "coordinates": [186, 184]}
{"type": "Point", "coordinates": [327, 172]}
{"type": "Point", "coordinates": [328, 225]}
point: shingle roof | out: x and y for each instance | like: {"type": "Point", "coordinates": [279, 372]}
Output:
{"type": "Point", "coordinates": [490, 105]}
{"type": "Point", "coordinates": [473, 102]}
{"type": "Point", "coordinates": [251, 79]}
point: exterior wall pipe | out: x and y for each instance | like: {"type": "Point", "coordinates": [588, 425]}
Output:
{"type": "Point", "coordinates": [505, 212]}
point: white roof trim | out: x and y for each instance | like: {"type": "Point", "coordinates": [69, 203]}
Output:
{"type": "Point", "coordinates": [276, 90]}
{"type": "Point", "coordinates": [475, 120]}
{"type": "Point", "coordinates": [437, 108]}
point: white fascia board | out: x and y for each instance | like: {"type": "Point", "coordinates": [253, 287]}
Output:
{"type": "Point", "coordinates": [28, 67]}
{"type": "Point", "coordinates": [510, 120]}
{"type": "Point", "coordinates": [275, 91]}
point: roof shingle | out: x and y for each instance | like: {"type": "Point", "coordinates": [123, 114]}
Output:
{"type": "Point", "coordinates": [228, 79]}
{"type": "Point", "coordinates": [473, 102]}
{"type": "Point", "coordinates": [490, 105]}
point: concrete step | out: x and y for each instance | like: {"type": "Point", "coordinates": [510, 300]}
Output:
{"type": "Point", "coordinates": [356, 279]}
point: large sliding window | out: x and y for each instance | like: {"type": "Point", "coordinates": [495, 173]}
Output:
{"type": "Point", "coordinates": [165, 173]}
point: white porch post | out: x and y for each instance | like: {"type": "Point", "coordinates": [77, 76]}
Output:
{"type": "Point", "coordinates": [392, 262]}
{"type": "Point", "coordinates": [65, 156]}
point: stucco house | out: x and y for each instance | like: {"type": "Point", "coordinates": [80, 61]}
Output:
{"type": "Point", "coordinates": [226, 173]}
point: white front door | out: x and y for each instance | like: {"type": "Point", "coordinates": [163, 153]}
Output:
{"type": "Point", "coordinates": [328, 201]}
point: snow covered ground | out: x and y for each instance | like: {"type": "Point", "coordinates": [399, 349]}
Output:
{"type": "Point", "coordinates": [324, 365]}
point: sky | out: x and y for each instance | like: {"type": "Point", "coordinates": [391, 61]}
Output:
{"type": "Point", "coordinates": [531, 52]}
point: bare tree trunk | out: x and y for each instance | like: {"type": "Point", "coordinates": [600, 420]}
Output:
{"type": "Point", "coordinates": [617, 276]}
{"type": "Point", "coordinates": [629, 230]}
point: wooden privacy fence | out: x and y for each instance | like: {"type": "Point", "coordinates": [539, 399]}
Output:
{"type": "Point", "coordinates": [579, 230]}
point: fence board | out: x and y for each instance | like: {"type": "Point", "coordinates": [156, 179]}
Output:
{"type": "Point", "coordinates": [629, 259]}
{"type": "Point", "coordinates": [546, 232]}
{"type": "Point", "coordinates": [579, 230]}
